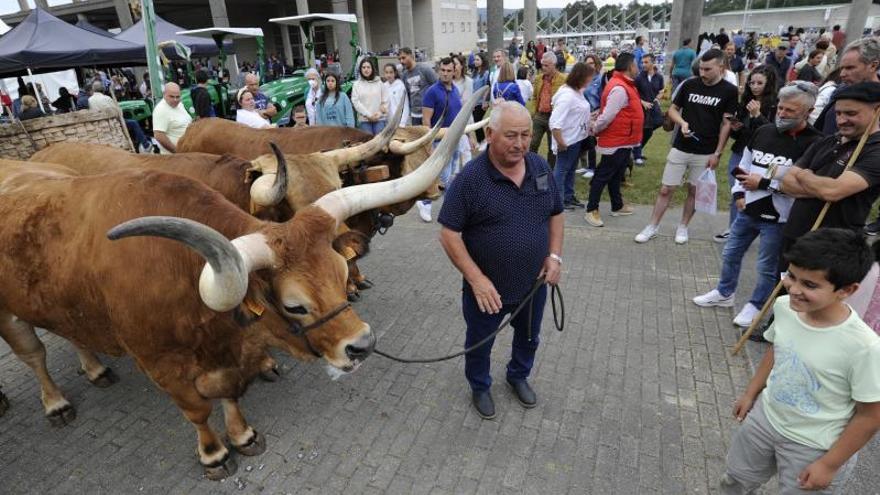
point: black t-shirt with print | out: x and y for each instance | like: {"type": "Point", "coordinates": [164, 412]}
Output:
{"type": "Point", "coordinates": [828, 158]}
{"type": "Point", "coordinates": [703, 107]}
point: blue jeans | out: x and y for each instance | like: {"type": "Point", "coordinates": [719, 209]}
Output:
{"type": "Point", "coordinates": [743, 231]}
{"type": "Point", "coordinates": [647, 132]}
{"type": "Point", "coordinates": [731, 180]}
{"type": "Point", "coordinates": [372, 127]}
{"type": "Point", "coordinates": [479, 325]}
{"type": "Point", "coordinates": [563, 174]}
{"type": "Point", "coordinates": [446, 173]}
{"type": "Point", "coordinates": [137, 134]}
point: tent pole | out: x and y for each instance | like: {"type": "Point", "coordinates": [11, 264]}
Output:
{"type": "Point", "coordinates": [119, 115]}
{"type": "Point", "coordinates": [36, 90]}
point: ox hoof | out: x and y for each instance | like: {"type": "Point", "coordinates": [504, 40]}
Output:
{"type": "Point", "coordinates": [62, 416]}
{"type": "Point", "coordinates": [105, 379]}
{"type": "Point", "coordinates": [221, 469]}
{"type": "Point", "coordinates": [270, 375]}
{"type": "Point", "coordinates": [354, 297]}
{"type": "Point", "coordinates": [364, 284]}
{"type": "Point", "coordinates": [4, 404]}
{"type": "Point", "coordinates": [256, 446]}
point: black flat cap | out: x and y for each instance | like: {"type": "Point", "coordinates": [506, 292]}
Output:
{"type": "Point", "coordinates": [868, 92]}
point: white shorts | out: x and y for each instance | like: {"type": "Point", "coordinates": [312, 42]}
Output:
{"type": "Point", "coordinates": [678, 163]}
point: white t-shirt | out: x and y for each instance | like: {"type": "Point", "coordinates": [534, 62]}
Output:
{"type": "Point", "coordinates": [730, 77]}
{"type": "Point", "coordinates": [525, 88]}
{"type": "Point", "coordinates": [571, 114]}
{"type": "Point", "coordinates": [100, 101]}
{"type": "Point", "coordinates": [172, 121]}
{"type": "Point", "coordinates": [396, 92]}
{"type": "Point", "coordinates": [251, 118]}
{"type": "Point", "coordinates": [818, 375]}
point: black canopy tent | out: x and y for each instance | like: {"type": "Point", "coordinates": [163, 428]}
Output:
{"type": "Point", "coordinates": [165, 31]}
{"type": "Point", "coordinates": [88, 26]}
{"type": "Point", "coordinates": [44, 43]}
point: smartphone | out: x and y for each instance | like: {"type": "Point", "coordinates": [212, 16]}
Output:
{"type": "Point", "coordinates": [738, 171]}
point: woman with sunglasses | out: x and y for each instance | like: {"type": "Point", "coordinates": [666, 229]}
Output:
{"type": "Point", "coordinates": [756, 108]}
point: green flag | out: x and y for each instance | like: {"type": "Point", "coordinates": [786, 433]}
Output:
{"type": "Point", "coordinates": [154, 66]}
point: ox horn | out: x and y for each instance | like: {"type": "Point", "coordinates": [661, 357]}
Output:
{"type": "Point", "coordinates": [399, 148]}
{"type": "Point", "coordinates": [271, 189]}
{"type": "Point", "coordinates": [469, 129]}
{"type": "Point", "coordinates": [224, 280]}
{"type": "Point", "coordinates": [349, 201]}
{"type": "Point", "coordinates": [344, 156]}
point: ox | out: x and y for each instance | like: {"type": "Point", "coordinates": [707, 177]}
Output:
{"type": "Point", "coordinates": [180, 317]}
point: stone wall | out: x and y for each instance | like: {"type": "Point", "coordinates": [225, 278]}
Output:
{"type": "Point", "coordinates": [91, 126]}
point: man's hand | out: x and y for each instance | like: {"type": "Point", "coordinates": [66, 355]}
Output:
{"type": "Point", "coordinates": [685, 130]}
{"type": "Point", "coordinates": [736, 125]}
{"type": "Point", "coordinates": [552, 271]}
{"type": "Point", "coordinates": [816, 476]}
{"type": "Point", "coordinates": [741, 407]}
{"type": "Point", "coordinates": [712, 164]}
{"type": "Point", "coordinates": [647, 105]}
{"type": "Point", "coordinates": [487, 297]}
{"type": "Point", "coordinates": [270, 111]}
{"type": "Point", "coordinates": [561, 147]}
{"type": "Point", "coordinates": [741, 204]}
{"type": "Point", "coordinates": [749, 181]}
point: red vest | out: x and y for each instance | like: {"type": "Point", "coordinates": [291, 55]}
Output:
{"type": "Point", "coordinates": [626, 128]}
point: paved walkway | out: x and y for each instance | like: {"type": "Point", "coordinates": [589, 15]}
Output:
{"type": "Point", "coordinates": [635, 395]}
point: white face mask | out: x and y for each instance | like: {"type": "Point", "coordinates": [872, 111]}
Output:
{"type": "Point", "coordinates": [313, 83]}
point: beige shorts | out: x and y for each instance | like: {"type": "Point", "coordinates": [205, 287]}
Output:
{"type": "Point", "coordinates": [678, 163]}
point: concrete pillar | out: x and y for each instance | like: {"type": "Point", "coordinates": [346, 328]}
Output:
{"type": "Point", "coordinates": [530, 21]}
{"type": "Point", "coordinates": [43, 4]}
{"type": "Point", "coordinates": [342, 35]}
{"type": "Point", "coordinates": [123, 12]}
{"type": "Point", "coordinates": [684, 23]}
{"type": "Point", "coordinates": [23, 5]}
{"type": "Point", "coordinates": [855, 24]}
{"type": "Point", "coordinates": [362, 25]}
{"type": "Point", "coordinates": [495, 21]}
{"type": "Point", "coordinates": [302, 8]}
{"type": "Point", "coordinates": [219, 17]}
{"type": "Point", "coordinates": [285, 36]}
{"type": "Point", "coordinates": [405, 23]}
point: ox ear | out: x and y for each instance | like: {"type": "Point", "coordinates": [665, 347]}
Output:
{"type": "Point", "coordinates": [271, 189]}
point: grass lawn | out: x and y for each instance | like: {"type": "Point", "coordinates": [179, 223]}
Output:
{"type": "Point", "coordinates": [646, 180]}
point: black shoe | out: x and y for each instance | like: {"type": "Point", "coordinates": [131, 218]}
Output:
{"type": "Point", "coordinates": [568, 206]}
{"type": "Point", "coordinates": [873, 228]}
{"type": "Point", "coordinates": [484, 404]}
{"type": "Point", "coordinates": [524, 393]}
{"type": "Point", "coordinates": [576, 203]}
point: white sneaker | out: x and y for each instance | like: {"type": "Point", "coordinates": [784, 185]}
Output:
{"type": "Point", "coordinates": [589, 174]}
{"type": "Point", "coordinates": [647, 234]}
{"type": "Point", "coordinates": [714, 298]}
{"type": "Point", "coordinates": [145, 148]}
{"type": "Point", "coordinates": [681, 234]}
{"type": "Point", "coordinates": [424, 211]}
{"type": "Point", "coordinates": [581, 171]}
{"type": "Point", "coordinates": [746, 315]}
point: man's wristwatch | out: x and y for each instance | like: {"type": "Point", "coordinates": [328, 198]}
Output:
{"type": "Point", "coordinates": [555, 257]}
{"type": "Point", "coordinates": [717, 154]}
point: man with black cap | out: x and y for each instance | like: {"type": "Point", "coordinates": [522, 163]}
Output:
{"type": "Point", "coordinates": [819, 174]}
{"type": "Point", "coordinates": [780, 63]}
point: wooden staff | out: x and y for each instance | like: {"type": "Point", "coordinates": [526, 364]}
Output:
{"type": "Point", "coordinates": [816, 224]}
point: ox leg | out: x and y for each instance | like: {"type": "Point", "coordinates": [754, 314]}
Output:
{"type": "Point", "coordinates": [24, 342]}
{"type": "Point", "coordinates": [98, 374]}
{"type": "Point", "coordinates": [351, 288]}
{"type": "Point", "coordinates": [214, 457]}
{"type": "Point", "coordinates": [243, 438]}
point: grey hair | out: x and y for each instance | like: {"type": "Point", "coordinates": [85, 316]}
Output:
{"type": "Point", "coordinates": [97, 87]}
{"type": "Point", "coordinates": [503, 108]}
{"type": "Point", "coordinates": [869, 49]}
{"type": "Point", "coordinates": [548, 57]}
{"type": "Point", "coordinates": [314, 71]}
{"type": "Point", "coordinates": [804, 90]}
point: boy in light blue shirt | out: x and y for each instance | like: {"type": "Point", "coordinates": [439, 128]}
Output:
{"type": "Point", "coordinates": [819, 385]}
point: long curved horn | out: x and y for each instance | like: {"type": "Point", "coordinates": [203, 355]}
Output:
{"type": "Point", "coordinates": [344, 156]}
{"type": "Point", "coordinates": [469, 129]}
{"type": "Point", "coordinates": [224, 279]}
{"type": "Point", "coordinates": [271, 189]}
{"type": "Point", "coordinates": [348, 201]}
{"type": "Point", "coordinates": [399, 148]}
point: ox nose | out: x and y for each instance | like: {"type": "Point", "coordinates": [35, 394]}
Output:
{"type": "Point", "coordinates": [360, 349]}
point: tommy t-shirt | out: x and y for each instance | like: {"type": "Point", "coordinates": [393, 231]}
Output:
{"type": "Point", "coordinates": [818, 375]}
{"type": "Point", "coordinates": [703, 107]}
{"type": "Point", "coordinates": [828, 158]}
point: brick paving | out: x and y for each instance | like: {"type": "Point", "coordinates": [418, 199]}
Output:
{"type": "Point", "coordinates": [635, 395]}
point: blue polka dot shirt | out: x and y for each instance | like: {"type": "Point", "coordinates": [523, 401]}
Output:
{"type": "Point", "coordinates": [505, 228]}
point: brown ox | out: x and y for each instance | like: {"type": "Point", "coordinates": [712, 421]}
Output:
{"type": "Point", "coordinates": [138, 296]}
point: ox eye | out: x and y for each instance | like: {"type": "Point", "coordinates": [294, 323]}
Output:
{"type": "Point", "coordinates": [296, 310]}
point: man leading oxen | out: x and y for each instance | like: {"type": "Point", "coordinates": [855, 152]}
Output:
{"type": "Point", "coordinates": [138, 296]}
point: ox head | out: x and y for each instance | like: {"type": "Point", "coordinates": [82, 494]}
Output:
{"type": "Point", "coordinates": [292, 266]}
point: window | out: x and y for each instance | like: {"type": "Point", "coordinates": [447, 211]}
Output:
{"type": "Point", "coordinates": [462, 27]}
{"type": "Point", "coordinates": [443, 27]}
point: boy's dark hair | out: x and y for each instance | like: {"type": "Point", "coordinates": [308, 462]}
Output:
{"type": "Point", "coordinates": [407, 50]}
{"type": "Point", "coordinates": [814, 53]}
{"type": "Point", "coordinates": [648, 55]}
{"type": "Point", "coordinates": [299, 108]}
{"type": "Point", "coordinates": [686, 42]}
{"type": "Point", "coordinates": [713, 54]}
{"type": "Point", "coordinates": [201, 76]}
{"type": "Point", "coordinates": [522, 73]}
{"type": "Point", "coordinates": [624, 60]}
{"type": "Point", "coordinates": [842, 253]}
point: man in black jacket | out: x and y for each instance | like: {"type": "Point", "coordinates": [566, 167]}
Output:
{"type": "Point", "coordinates": [200, 97]}
{"type": "Point", "coordinates": [649, 82]}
